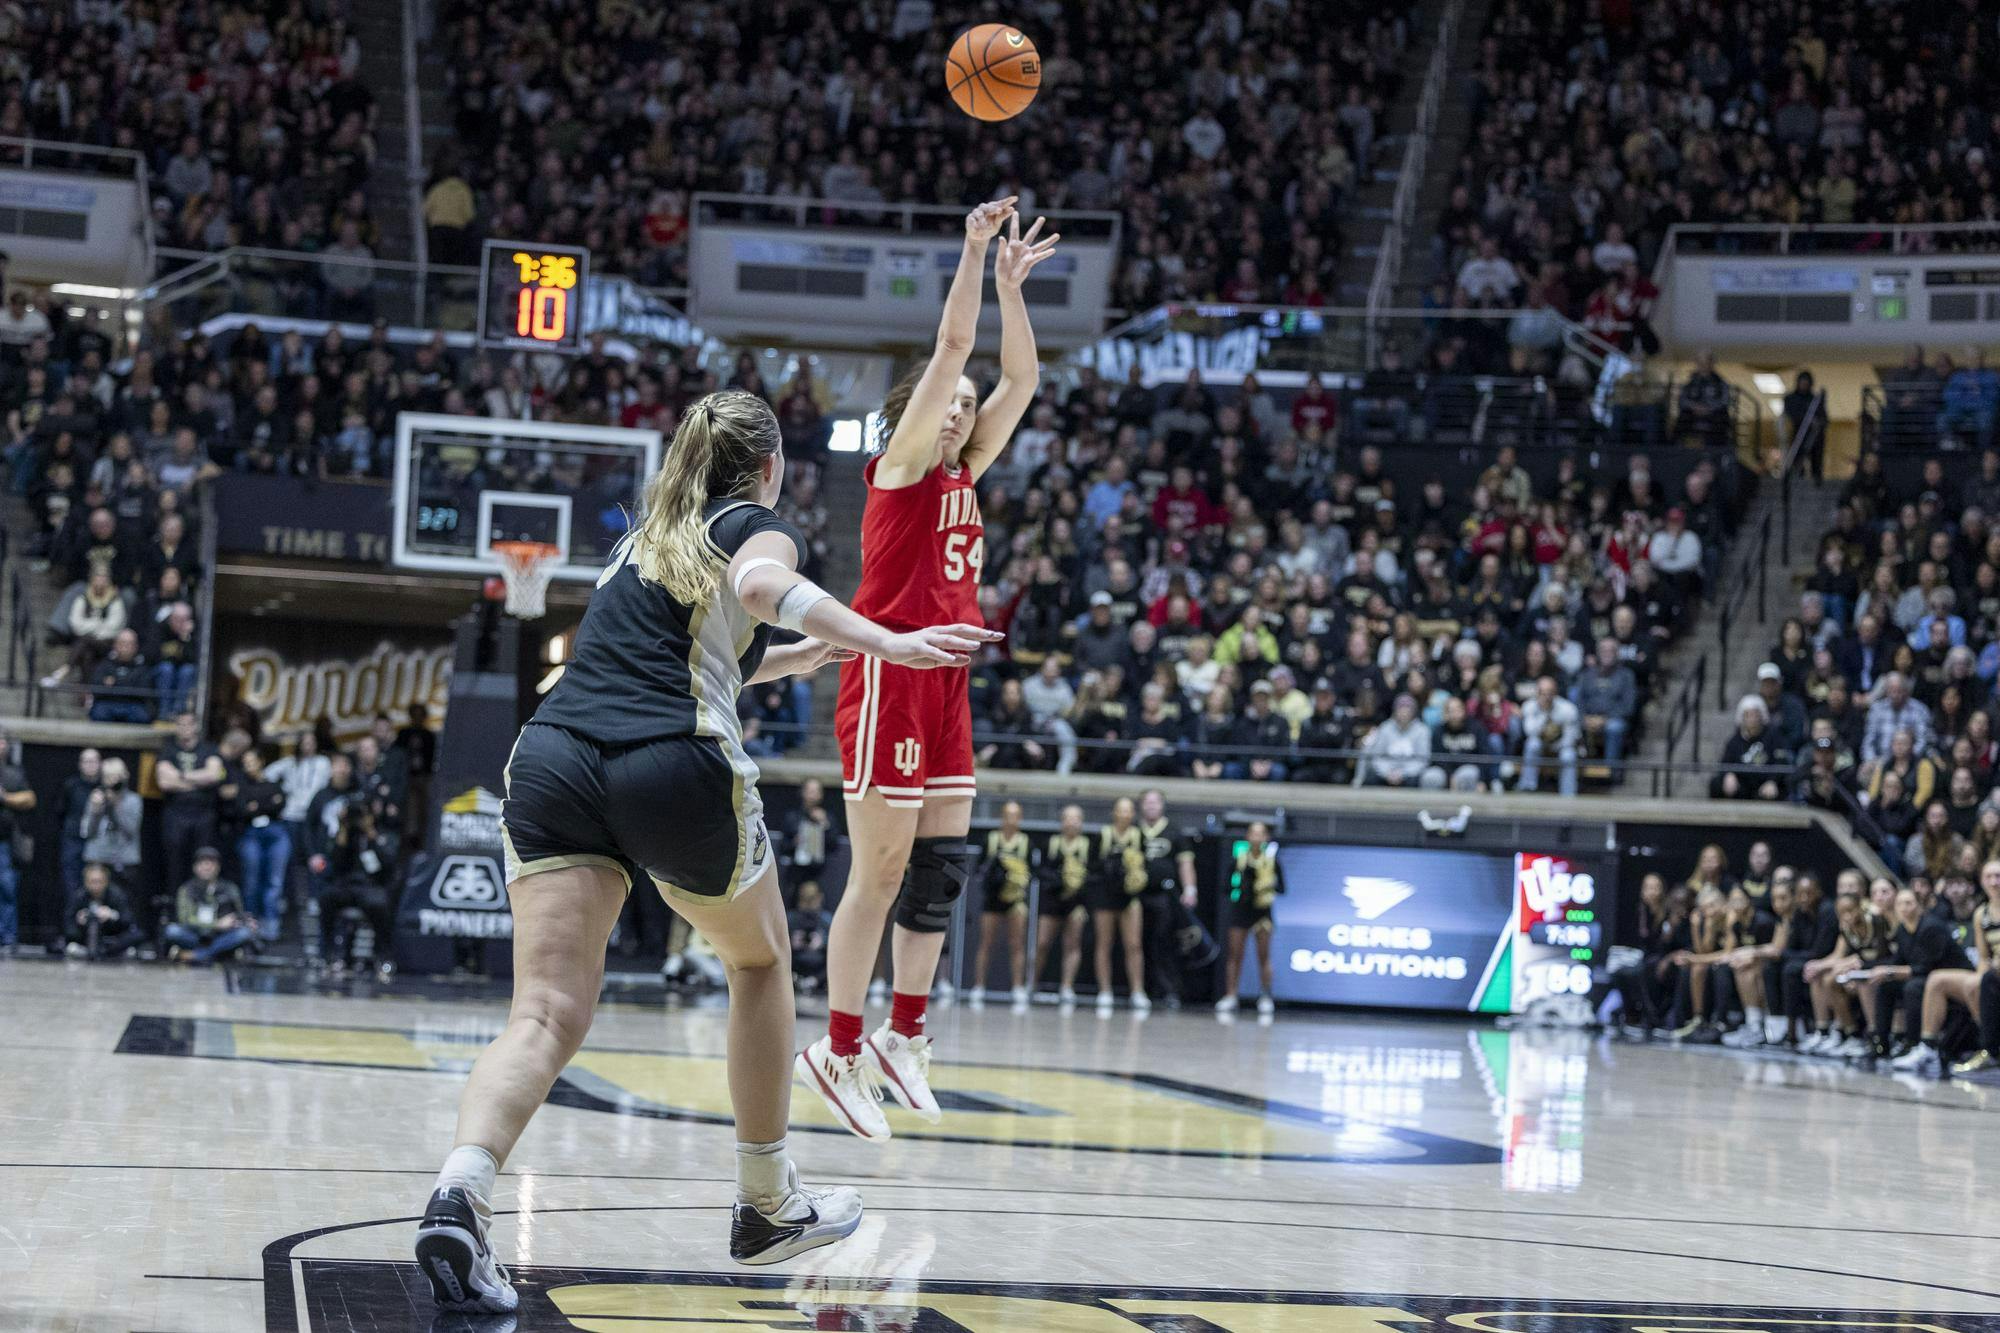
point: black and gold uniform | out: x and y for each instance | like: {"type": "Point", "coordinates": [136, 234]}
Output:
{"type": "Point", "coordinates": [1121, 868]}
{"type": "Point", "coordinates": [1868, 941]}
{"type": "Point", "coordinates": [1986, 922]}
{"type": "Point", "coordinates": [1164, 846]}
{"type": "Point", "coordinates": [1066, 874]}
{"type": "Point", "coordinates": [1254, 886]}
{"type": "Point", "coordinates": [1009, 867]}
{"type": "Point", "coordinates": [645, 714]}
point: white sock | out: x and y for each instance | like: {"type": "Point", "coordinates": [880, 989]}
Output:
{"type": "Point", "coordinates": [472, 1169]}
{"type": "Point", "coordinates": [1752, 1014]}
{"type": "Point", "coordinates": [760, 1173]}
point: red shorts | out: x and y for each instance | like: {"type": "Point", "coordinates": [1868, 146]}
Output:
{"type": "Point", "coordinates": [903, 732]}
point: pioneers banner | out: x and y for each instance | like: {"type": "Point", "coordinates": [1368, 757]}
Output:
{"type": "Point", "coordinates": [292, 673]}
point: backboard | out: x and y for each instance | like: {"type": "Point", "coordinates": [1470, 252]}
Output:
{"type": "Point", "coordinates": [462, 483]}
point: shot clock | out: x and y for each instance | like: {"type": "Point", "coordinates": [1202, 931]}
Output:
{"type": "Point", "coordinates": [532, 296]}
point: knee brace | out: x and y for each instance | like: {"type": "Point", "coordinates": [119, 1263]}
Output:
{"type": "Point", "coordinates": [932, 882]}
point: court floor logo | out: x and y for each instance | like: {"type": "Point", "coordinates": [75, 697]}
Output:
{"type": "Point", "coordinates": [324, 1295]}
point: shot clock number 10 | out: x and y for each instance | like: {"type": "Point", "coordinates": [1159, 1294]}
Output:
{"type": "Point", "coordinates": [532, 296]}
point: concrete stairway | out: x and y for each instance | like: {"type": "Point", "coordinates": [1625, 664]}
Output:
{"type": "Point", "coordinates": [1812, 507]}
{"type": "Point", "coordinates": [379, 25]}
{"type": "Point", "coordinates": [1454, 128]}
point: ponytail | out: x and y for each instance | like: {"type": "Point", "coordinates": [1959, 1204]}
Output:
{"type": "Point", "coordinates": [717, 452]}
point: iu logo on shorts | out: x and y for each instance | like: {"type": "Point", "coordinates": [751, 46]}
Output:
{"type": "Point", "coordinates": [908, 751]}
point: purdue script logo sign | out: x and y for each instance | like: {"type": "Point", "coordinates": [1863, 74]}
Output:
{"type": "Point", "coordinates": [566, 1300]}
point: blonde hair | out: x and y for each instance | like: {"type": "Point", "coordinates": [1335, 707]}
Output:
{"type": "Point", "coordinates": [718, 451]}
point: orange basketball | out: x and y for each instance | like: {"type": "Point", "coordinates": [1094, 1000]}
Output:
{"type": "Point", "coordinates": [993, 72]}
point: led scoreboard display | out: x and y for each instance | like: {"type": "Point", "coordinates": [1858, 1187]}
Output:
{"type": "Point", "coordinates": [1425, 928]}
{"type": "Point", "coordinates": [532, 296]}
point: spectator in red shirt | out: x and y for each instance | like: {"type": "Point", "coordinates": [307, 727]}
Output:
{"type": "Point", "coordinates": [1182, 506]}
{"type": "Point", "coordinates": [1314, 408]}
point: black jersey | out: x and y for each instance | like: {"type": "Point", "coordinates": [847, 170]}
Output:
{"type": "Point", "coordinates": [1164, 845]}
{"type": "Point", "coordinates": [1988, 922]}
{"type": "Point", "coordinates": [647, 665]}
{"type": "Point", "coordinates": [1121, 859]}
{"type": "Point", "coordinates": [1009, 867]}
{"type": "Point", "coordinates": [1256, 881]}
{"type": "Point", "coordinates": [1065, 868]}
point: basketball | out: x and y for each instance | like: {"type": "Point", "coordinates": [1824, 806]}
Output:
{"type": "Point", "coordinates": [993, 72]}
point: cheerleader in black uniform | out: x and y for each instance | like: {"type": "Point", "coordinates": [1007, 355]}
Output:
{"type": "Point", "coordinates": [632, 768]}
{"type": "Point", "coordinates": [1116, 908]}
{"type": "Point", "coordinates": [1068, 863]}
{"type": "Point", "coordinates": [1254, 885]}
{"type": "Point", "coordinates": [1009, 869]}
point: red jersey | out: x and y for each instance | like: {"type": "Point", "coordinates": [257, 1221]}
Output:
{"type": "Point", "coordinates": [922, 549]}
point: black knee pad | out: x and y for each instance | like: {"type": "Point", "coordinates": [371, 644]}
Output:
{"type": "Point", "coordinates": [937, 874]}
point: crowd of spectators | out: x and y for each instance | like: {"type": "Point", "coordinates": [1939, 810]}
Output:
{"type": "Point", "coordinates": [248, 833]}
{"type": "Point", "coordinates": [1233, 137]}
{"type": "Point", "coordinates": [1878, 700]}
{"type": "Point", "coordinates": [1905, 977]}
{"type": "Point", "coordinates": [1200, 584]}
{"type": "Point", "coordinates": [252, 117]}
{"type": "Point", "coordinates": [1597, 127]}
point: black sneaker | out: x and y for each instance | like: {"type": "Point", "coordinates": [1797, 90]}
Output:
{"type": "Point", "coordinates": [452, 1252]}
{"type": "Point", "coordinates": [803, 1220]}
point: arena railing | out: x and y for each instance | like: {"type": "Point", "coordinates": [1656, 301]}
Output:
{"type": "Point", "coordinates": [1752, 568]}
{"type": "Point", "coordinates": [906, 218]}
{"type": "Point", "coordinates": [1410, 179]}
{"type": "Point", "coordinates": [1683, 722]}
{"type": "Point", "coordinates": [1828, 238]}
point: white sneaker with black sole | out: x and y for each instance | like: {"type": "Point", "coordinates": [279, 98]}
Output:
{"type": "Point", "coordinates": [847, 1085]}
{"type": "Point", "coordinates": [1920, 1060]}
{"type": "Point", "coordinates": [802, 1220]}
{"type": "Point", "coordinates": [453, 1253]}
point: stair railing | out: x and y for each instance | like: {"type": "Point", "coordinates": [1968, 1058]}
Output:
{"type": "Point", "coordinates": [1410, 179]}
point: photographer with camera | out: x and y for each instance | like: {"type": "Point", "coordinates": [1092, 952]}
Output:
{"type": "Point", "coordinates": [111, 818]}
{"type": "Point", "coordinates": [359, 868]}
{"type": "Point", "coordinates": [100, 922]}
{"type": "Point", "coordinates": [209, 920]}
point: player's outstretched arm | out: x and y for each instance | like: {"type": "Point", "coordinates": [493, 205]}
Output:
{"type": "Point", "coordinates": [908, 455]}
{"type": "Point", "coordinates": [771, 589]}
{"type": "Point", "coordinates": [1020, 365]}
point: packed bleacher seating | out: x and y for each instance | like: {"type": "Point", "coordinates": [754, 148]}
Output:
{"type": "Point", "coordinates": [1598, 127]}
{"type": "Point", "coordinates": [1198, 583]}
{"type": "Point", "coordinates": [1878, 697]}
{"type": "Point", "coordinates": [1227, 168]}
{"type": "Point", "coordinates": [255, 125]}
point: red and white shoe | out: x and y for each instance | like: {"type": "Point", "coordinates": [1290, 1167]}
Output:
{"type": "Point", "coordinates": [903, 1066]}
{"type": "Point", "coordinates": [846, 1083]}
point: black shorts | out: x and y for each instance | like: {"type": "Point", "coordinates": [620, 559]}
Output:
{"type": "Point", "coordinates": [1052, 902]}
{"type": "Point", "coordinates": [682, 810]}
{"type": "Point", "coordinates": [1244, 914]}
{"type": "Point", "coordinates": [1111, 897]}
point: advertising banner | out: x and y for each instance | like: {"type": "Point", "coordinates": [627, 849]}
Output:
{"type": "Point", "coordinates": [1392, 927]}
{"type": "Point", "coordinates": [459, 890]}
{"type": "Point", "coordinates": [1409, 928]}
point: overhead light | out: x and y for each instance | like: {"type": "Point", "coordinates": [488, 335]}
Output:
{"type": "Point", "coordinates": [93, 292]}
{"type": "Point", "coordinates": [558, 649]}
{"type": "Point", "coordinates": [1768, 383]}
{"type": "Point", "coordinates": [549, 681]}
{"type": "Point", "coordinates": [849, 435]}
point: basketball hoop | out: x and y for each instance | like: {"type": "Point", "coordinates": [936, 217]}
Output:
{"type": "Point", "coordinates": [527, 568]}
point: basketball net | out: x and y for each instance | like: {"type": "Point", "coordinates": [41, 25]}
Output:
{"type": "Point", "coordinates": [527, 567]}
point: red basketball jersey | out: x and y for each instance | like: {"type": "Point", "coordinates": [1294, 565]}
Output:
{"type": "Point", "coordinates": [922, 548]}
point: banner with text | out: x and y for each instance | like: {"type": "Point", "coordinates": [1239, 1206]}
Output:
{"type": "Point", "coordinates": [291, 673]}
{"type": "Point", "coordinates": [302, 518]}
